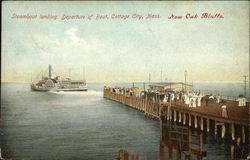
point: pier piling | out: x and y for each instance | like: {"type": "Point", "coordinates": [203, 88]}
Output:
{"type": "Point", "coordinates": [223, 131]}
{"type": "Point", "coordinates": [235, 124]}
{"type": "Point", "coordinates": [208, 125]}
{"type": "Point", "coordinates": [189, 120]}
{"type": "Point", "coordinates": [201, 124]}
{"type": "Point", "coordinates": [179, 117]}
{"type": "Point", "coordinates": [184, 118]}
{"type": "Point", "coordinates": [215, 128]}
{"type": "Point", "coordinates": [195, 121]}
{"type": "Point", "coordinates": [174, 115]}
{"type": "Point", "coordinates": [233, 131]}
{"type": "Point", "coordinates": [243, 134]}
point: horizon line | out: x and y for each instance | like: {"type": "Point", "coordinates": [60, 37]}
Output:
{"type": "Point", "coordinates": [143, 82]}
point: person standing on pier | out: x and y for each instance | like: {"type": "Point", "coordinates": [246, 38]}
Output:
{"type": "Point", "coordinates": [224, 110]}
{"type": "Point", "coordinates": [172, 97]}
{"type": "Point", "coordinates": [199, 101]}
{"type": "Point", "coordinates": [180, 96]}
{"type": "Point", "coordinates": [218, 99]}
{"type": "Point", "coordinates": [191, 102]}
{"type": "Point", "coordinates": [194, 102]}
{"type": "Point", "coordinates": [169, 97]}
{"type": "Point", "coordinates": [206, 100]}
{"type": "Point", "coordinates": [242, 101]}
{"type": "Point", "coordinates": [187, 100]}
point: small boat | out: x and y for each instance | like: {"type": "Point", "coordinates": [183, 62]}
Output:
{"type": "Point", "coordinates": [58, 84]}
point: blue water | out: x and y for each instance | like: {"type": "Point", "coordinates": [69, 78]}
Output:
{"type": "Point", "coordinates": [78, 125]}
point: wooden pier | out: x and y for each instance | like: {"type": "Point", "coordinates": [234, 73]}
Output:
{"type": "Point", "coordinates": [181, 139]}
{"type": "Point", "coordinates": [206, 118]}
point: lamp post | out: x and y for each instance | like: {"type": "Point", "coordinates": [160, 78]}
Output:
{"type": "Point", "coordinates": [245, 85]}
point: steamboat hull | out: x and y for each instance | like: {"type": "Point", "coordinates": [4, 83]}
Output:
{"type": "Point", "coordinates": [33, 88]}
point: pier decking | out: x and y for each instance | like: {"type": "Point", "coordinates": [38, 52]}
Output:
{"type": "Point", "coordinates": [204, 118]}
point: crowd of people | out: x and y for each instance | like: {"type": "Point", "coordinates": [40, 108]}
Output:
{"type": "Point", "coordinates": [192, 98]}
{"type": "Point", "coordinates": [189, 98]}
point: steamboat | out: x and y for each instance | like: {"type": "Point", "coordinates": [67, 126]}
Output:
{"type": "Point", "coordinates": [58, 84]}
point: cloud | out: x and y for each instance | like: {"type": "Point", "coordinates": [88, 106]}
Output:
{"type": "Point", "coordinates": [69, 45]}
{"type": "Point", "coordinates": [73, 50]}
{"type": "Point", "coordinates": [75, 40]}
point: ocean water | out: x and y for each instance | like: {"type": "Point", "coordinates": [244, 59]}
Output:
{"type": "Point", "coordinates": [79, 125]}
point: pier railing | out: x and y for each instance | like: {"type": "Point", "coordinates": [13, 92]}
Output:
{"type": "Point", "coordinates": [236, 114]}
{"type": "Point", "coordinates": [205, 118]}
{"type": "Point", "coordinates": [149, 107]}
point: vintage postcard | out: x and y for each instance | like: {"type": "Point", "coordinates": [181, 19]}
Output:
{"type": "Point", "coordinates": [129, 80]}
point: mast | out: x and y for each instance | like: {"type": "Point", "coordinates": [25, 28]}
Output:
{"type": "Point", "coordinates": [31, 77]}
{"type": "Point", "coordinates": [149, 78]}
{"type": "Point", "coordinates": [161, 74]}
{"type": "Point", "coordinates": [83, 74]}
{"type": "Point", "coordinates": [192, 85]}
{"type": "Point", "coordinates": [185, 80]}
{"type": "Point", "coordinates": [69, 72]}
{"type": "Point", "coordinates": [50, 68]}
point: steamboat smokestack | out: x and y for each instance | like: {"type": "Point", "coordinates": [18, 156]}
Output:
{"type": "Point", "coordinates": [50, 71]}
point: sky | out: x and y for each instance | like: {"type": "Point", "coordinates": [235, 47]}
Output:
{"type": "Point", "coordinates": [126, 50]}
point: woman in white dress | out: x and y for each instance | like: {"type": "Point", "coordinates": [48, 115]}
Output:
{"type": "Point", "coordinates": [224, 111]}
